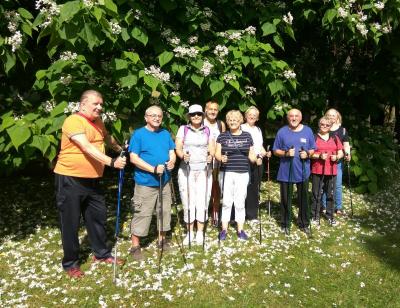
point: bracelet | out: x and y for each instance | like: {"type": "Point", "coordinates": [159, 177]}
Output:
{"type": "Point", "coordinates": [112, 162]}
{"type": "Point", "coordinates": [155, 170]}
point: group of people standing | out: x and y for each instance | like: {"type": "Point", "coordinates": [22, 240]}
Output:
{"type": "Point", "coordinates": [216, 160]}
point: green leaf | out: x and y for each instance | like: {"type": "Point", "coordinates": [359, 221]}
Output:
{"type": "Point", "coordinates": [18, 135]}
{"type": "Point", "coordinates": [117, 125]}
{"type": "Point", "coordinates": [197, 79]}
{"type": "Point", "coordinates": [98, 13]}
{"type": "Point", "coordinates": [216, 86]}
{"type": "Point", "coordinates": [235, 84]}
{"type": "Point", "coordinates": [165, 57]}
{"type": "Point", "coordinates": [276, 86]}
{"type": "Point", "coordinates": [120, 64]}
{"type": "Point", "coordinates": [256, 61]}
{"type": "Point", "coordinates": [10, 61]}
{"type": "Point", "coordinates": [357, 170]}
{"type": "Point", "coordinates": [109, 4]}
{"type": "Point", "coordinates": [181, 69]}
{"type": "Point", "coordinates": [245, 60]}
{"type": "Point", "coordinates": [133, 56]}
{"type": "Point", "coordinates": [372, 187]}
{"type": "Point", "coordinates": [7, 122]}
{"type": "Point", "coordinates": [168, 5]}
{"type": "Point", "coordinates": [68, 10]}
{"type": "Point", "coordinates": [27, 29]}
{"type": "Point", "coordinates": [125, 35]}
{"type": "Point", "coordinates": [25, 13]}
{"type": "Point", "coordinates": [268, 29]}
{"type": "Point", "coordinates": [151, 81]}
{"type": "Point", "coordinates": [128, 81]}
{"type": "Point", "coordinates": [87, 35]}
{"type": "Point", "coordinates": [278, 41]}
{"type": "Point", "coordinates": [58, 109]}
{"type": "Point", "coordinates": [329, 16]}
{"type": "Point", "coordinates": [309, 14]}
{"type": "Point", "coordinates": [266, 47]}
{"type": "Point", "coordinates": [139, 35]}
{"type": "Point", "coordinates": [41, 143]}
{"type": "Point", "coordinates": [56, 124]}
{"type": "Point", "coordinates": [237, 54]}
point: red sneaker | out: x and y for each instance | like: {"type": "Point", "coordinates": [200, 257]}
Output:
{"type": "Point", "coordinates": [109, 260]}
{"type": "Point", "coordinates": [75, 272]}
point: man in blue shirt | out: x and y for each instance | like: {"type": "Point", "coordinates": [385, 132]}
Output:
{"type": "Point", "coordinates": [294, 144]}
{"type": "Point", "coordinates": [152, 150]}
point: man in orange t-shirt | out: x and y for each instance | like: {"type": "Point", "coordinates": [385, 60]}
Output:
{"type": "Point", "coordinates": [79, 167]}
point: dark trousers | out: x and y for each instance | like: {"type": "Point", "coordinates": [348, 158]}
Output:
{"type": "Point", "coordinates": [252, 203]}
{"type": "Point", "coordinates": [323, 185]}
{"type": "Point", "coordinates": [76, 197]}
{"type": "Point", "coordinates": [303, 219]}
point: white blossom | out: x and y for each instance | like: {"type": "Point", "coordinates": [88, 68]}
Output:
{"type": "Point", "coordinates": [235, 36]}
{"type": "Point", "coordinates": [175, 93]}
{"type": "Point", "coordinates": [89, 3]}
{"type": "Point", "coordinates": [221, 51]}
{"type": "Point", "coordinates": [250, 90]}
{"type": "Point", "coordinates": [49, 9]}
{"type": "Point", "coordinates": [174, 40]}
{"type": "Point", "coordinates": [68, 56]}
{"type": "Point", "coordinates": [288, 18]}
{"type": "Point", "coordinates": [72, 107]}
{"type": "Point", "coordinates": [181, 52]}
{"type": "Point", "coordinates": [362, 284]}
{"type": "Point", "coordinates": [48, 106]}
{"type": "Point", "coordinates": [206, 68]}
{"type": "Point", "coordinates": [13, 20]}
{"type": "Point", "coordinates": [250, 30]}
{"type": "Point", "coordinates": [115, 28]}
{"type": "Point", "coordinates": [166, 33]}
{"type": "Point", "coordinates": [362, 16]}
{"type": "Point", "coordinates": [229, 77]}
{"type": "Point", "coordinates": [205, 26]}
{"type": "Point", "coordinates": [377, 26]}
{"type": "Point", "coordinates": [184, 104]}
{"type": "Point", "coordinates": [379, 5]}
{"type": "Point", "coordinates": [193, 39]}
{"type": "Point", "coordinates": [387, 29]}
{"type": "Point", "coordinates": [289, 74]}
{"type": "Point", "coordinates": [138, 14]}
{"type": "Point", "coordinates": [157, 73]}
{"type": "Point", "coordinates": [342, 12]}
{"type": "Point", "coordinates": [208, 12]}
{"type": "Point", "coordinates": [362, 28]}
{"type": "Point", "coordinates": [109, 116]}
{"type": "Point", "coordinates": [15, 41]}
{"type": "Point", "coordinates": [66, 80]}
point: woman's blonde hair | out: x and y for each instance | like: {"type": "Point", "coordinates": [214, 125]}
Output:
{"type": "Point", "coordinates": [252, 108]}
{"type": "Point", "coordinates": [338, 115]}
{"type": "Point", "coordinates": [234, 113]}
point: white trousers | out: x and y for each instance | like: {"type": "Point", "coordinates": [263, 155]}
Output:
{"type": "Point", "coordinates": [234, 187]}
{"type": "Point", "coordinates": [197, 193]}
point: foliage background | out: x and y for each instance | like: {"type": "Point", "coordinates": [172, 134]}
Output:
{"type": "Point", "coordinates": [273, 54]}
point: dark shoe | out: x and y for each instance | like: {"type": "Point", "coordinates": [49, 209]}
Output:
{"type": "Point", "coordinates": [242, 236]}
{"type": "Point", "coordinates": [332, 222]}
{"type": "Point", "coordinates": [136, 253]}
{"type": "Point", "coordinates": [75, 272]}
{"type": "Point", "coordinates": [315, 222]}
{"type": "Point", "coordinates": [164, 245]}
{"type": "Point", "coordinates": [222, 235]}
{"type": "Point", "coordinates": [285, 230]}
{"type": "Point", "coordinates": [109, 260]}
{"type": "Point", "coordinates": [339, 212]}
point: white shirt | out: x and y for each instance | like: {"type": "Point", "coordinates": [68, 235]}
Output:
{"type": "Point", "coordinates": [256, 134]}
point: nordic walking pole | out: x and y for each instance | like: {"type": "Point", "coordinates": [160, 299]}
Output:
{"type": "Point", "coordinates": [180, 241]}
{"type": "Point", "coordinates": [259, 205]}
{"type": "Point", "coordinates": [188, 200]}
{"type": "Point", "coordinates": [320, 192]}
{"type": "Point", "coordinates": [304, 186]}
{"type": "Point", "coordinates": [269, 194]}
{"type": "Point", "coordinates": [160, 246]}
{"type": "Point", "coordinates": [348, 175]}
{"type": "Point", "coordinates": [222, 197]}
{"type": "Point", "coordinates": [205, 204]}
{"type": "Point", "coordinates": [120, 183]}
{"type": "Point", "coordinates": [289, 196]}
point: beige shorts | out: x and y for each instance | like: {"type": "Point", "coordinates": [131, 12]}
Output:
{"type": "Point", "coordinates": [144, 200]}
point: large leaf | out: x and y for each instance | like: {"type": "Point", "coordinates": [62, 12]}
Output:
{"type": "Point", "coordinates": [197, 79]}
{"type": "Point", "coordinates": [140, 35]}
{"type": "Point", "coordinates": [41, 143]}
{"type": "Point", "coordinates": [18, 135]}
{"type": "Point", "coordinates": [10, 61]}
{"type": "Point", "coordinates": [268, 29]}
{"type": "Point", "coordinates": [181, 69]}
{"type": "Point", "coordinates": [276, 86]}
{"type": "Point", "coordinates": [68, 10]}
{"type": "Point", "coordinates": [88, 35]}
{"type": "Point", "coordinates": [109, 4]}
{"type": "Point", "coordinates": [165, 57]}
{"type": "Point", "coordinates": [151, 81]}
{"type": "Point", "coordinates": [216, 86]}
{"type": "Point", "coordinates": [128, 81]}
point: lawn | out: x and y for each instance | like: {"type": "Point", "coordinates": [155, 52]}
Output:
{"type": "Point", "coordinates": [356, 263]}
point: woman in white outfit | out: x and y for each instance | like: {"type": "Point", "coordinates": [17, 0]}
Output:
{"type": "Point", "coordinates": [195, 147]}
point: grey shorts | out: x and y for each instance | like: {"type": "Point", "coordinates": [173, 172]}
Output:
{"type": "Point", "coordinates": [144, 200]}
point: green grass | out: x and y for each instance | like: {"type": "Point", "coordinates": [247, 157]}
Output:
{"type": "Point", "coordinates": [354, 264]}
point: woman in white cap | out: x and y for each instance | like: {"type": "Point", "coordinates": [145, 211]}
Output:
{"type": "Point", "coordinates": [195, 147]}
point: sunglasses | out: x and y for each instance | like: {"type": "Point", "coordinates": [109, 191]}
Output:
{"type": "Point", "coordinates": [325, 125]}
{"type": "Point", "coordinates": [199, 114]}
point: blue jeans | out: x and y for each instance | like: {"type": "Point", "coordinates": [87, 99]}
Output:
{"type": "Point", "coordinates": [338, 190]}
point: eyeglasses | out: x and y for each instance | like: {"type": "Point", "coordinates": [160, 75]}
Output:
{"type": "Point", "coordinates": [325, 125]}
{"type": "Point", "coordinates": [153, 116]}
{"type": "Point", "coordinates": [199, 114]}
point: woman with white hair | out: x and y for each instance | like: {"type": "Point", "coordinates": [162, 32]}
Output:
{"type": "Point", "coordinates": [253, 189]}
{"type": "Point", "coordinates": [234, 150]}
{"type": "Point", "coordinates": [338, 130]}
{"type": "Point", "coordinates": [195, 147]}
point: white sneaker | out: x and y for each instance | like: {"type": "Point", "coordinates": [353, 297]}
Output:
{"type": "Point", "coordinates": [186, 239]}
{"type": "Point", "coordinates": [199, 238]}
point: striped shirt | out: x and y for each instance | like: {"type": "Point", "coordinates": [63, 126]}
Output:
{"type": "Point", "coordinates": [236, 147]}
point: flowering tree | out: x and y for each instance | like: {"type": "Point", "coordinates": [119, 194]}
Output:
{"type": "Point", "coordinates": [173, 53]}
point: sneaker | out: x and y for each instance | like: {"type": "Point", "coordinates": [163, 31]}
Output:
{"type": "Point", "coordinates": [199, 238]}
{"type": "Point", "coordinates": [108, 260]}
{"type": "Point", "coordinates": [339, 212]}
{"type": "Point", "coordinates": [315, 222]}
{"type": "Point", "coordinates": [75, 272]}
{"type": "Point", "coordinates": [222, 235]}
{"type": "Point", "coordinates": [242, 236]}
{"type": "Point", "coordinates": [164, 245]}
{"type": "Point", "coordinates": [332, 222]}
{"type": "Point", "coordinates": [136, 253]}
{"type": "Point", "coordinates": [186, 239]}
